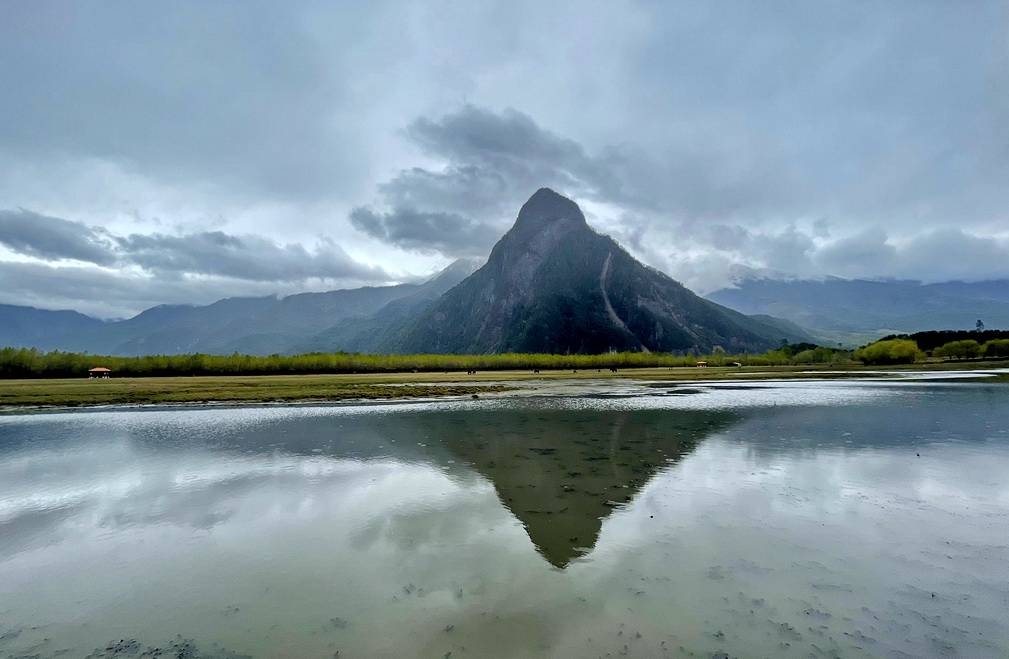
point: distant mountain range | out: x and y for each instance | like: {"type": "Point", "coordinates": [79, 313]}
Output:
{"type": "Point", "coordinates": [855, 310]}
{"type": "Point", "coordinates": [257, 325]}
{"type": "Point", "coordinates": [551, 284]}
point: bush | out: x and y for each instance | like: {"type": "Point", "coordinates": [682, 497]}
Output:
{"type": "Point", "coordinates": [996, 348]}
{"type": "Point", "coordinates": [892, 351]}
{"type": "Point", "coordinates": [966, 349]}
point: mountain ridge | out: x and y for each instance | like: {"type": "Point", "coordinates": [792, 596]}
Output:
{"type": "Point", "coordinates": [552, 284]}
{"type": "Point", "coordinates": [857, 310]}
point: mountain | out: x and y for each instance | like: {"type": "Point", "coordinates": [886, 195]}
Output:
{"type": "Point", "coordinates": [371, 332]}
{"type": "Point", "coordinates": [254, 325]}
{"type": "Point", "coordinates": [551, 284]}
{"type": "Point", "coordinates": [554, 285]}
{"type": "Point", "coordinates": [856, 310]}
{"type": "Point", "coordinates": [43, 328]}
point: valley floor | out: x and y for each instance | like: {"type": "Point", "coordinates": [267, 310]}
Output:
{"type": "Point", "coordinates": [77, 392]}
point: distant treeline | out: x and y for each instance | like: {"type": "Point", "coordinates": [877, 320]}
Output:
{"type": "Point", "coordinates": [32, 363]}
{"type": "Point", "coordinates": [904, 350]}
{"type": "Point", "coordinates": [933, 339]}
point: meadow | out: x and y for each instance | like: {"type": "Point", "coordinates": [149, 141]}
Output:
{"type": "Point", "coordinates": [32, 363]}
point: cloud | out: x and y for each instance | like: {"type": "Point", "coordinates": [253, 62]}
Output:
{"type": "Point", "coordinates": [211, 260]}
{"type": "Point", "coordinates": [510, 145]}
{"type": "Point", "coordinates": [447, 233]}
{"type": "Point", "coordinates": [259, 119]}
{"type": "Point", "coordinates": [122, 293]}
{"type": "Point", "coordinates": [243, 257]}
{"type": "Point", "coordinates": [938, 255]}
{"type": "Point", "coordinates": [205, 253]}
{"type": "Point", "coordinates": [865, 252]}
{"type": "Point", "coordinates": [490, 163]}
{"type": "Point", "coordinates": [53, 238]}
{"type": "Point", "coordinates": [929, 256]}
{"type": "Point", "coordinates": [780, 132]}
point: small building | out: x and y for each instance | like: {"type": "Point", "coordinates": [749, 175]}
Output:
{"type": "Point", "coordinates": [702, 364]}
{"type": "Point", "coordinates": [99, 372]}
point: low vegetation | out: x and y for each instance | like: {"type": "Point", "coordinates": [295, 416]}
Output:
{"type": "Point", "coordinates": [932, 339]}
{"type": "Point", "coordinates": [227, 389]}
{"type": "Point", "coordinates": [996, 348]}
{"type": "Point", "coordinates": [908, 351]}
{"type": "Point", "coordinates": [31, 363]}
{"type": "Point", "coordinates": [890, 351]}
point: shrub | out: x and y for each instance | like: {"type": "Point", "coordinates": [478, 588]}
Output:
{"type": "Point", "coordinates": [996, 348]}
{"type": "Point", "coordinates": [891, 351]}
{"type": "Point", "coordinates": [966, 349]}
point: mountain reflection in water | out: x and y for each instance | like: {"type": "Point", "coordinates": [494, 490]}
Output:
{"type": "Point", "coordinates": [561, 473]}
{"type": "Point", "coordinates": [789, 520]}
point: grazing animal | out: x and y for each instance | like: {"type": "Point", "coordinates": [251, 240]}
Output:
{"type": "Point", "coordinates": [612, 370]}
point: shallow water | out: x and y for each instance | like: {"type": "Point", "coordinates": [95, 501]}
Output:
{"type": "Point", "coordinates": [778, 519]}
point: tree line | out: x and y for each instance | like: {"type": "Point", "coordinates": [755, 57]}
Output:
{"type": "Point", "coordinates": [908, 351]}
{"type": "Point", "coordinates": [33, 363]}
{"type": "Point", "coordinates": [931, 339]}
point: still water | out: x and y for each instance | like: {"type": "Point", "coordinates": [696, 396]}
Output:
{"type": "Point", "coordinates": [776, 519]}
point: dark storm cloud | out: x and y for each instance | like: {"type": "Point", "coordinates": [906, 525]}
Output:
{"type": "Point", "coordinates": [446, 233]}
{"type": "Point", "coordinates": [512, 146]}
{"type": "Point", "coordinates": [53, 238]}
{"type": "Point", "coordinates": [244, 257]}
{"type": "Point", "coordinates": [493, 162]}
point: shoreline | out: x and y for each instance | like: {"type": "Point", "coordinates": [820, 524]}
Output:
{"type": "Point", "coordinates": [69, 394]}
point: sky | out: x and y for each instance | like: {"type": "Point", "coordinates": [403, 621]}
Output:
{"type": "Point", "coordinates": [182, 152]}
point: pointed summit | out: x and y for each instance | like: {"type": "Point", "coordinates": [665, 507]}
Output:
{"type": "Point", "coordinates": [554, 285]}
{"type": "Point", "coordinates": [547, 207]}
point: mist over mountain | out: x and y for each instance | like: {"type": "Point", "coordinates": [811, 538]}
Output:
{"type": "Point", "coordinates": [856, 310]}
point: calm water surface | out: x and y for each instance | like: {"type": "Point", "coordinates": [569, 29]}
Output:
{"type": "Point", "coordinates": [775, 519]}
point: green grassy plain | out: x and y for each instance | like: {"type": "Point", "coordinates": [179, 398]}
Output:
{"type": "Point", "coordinates": [71, 392]}
{"type": "Point", "coordinates": [67, 392]}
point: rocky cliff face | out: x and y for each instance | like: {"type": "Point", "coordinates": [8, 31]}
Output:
{"type": "Point", "coordinates": [552, 284]}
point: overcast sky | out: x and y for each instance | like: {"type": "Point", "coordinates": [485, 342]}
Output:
{"type": "Point", "coordinates": [186, 151]}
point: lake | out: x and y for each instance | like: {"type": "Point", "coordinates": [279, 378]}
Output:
{"type": "Point", "coordinates": [776, 519]}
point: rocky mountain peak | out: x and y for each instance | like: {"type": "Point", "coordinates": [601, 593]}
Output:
{"type": "Point", "coordinates": [546, 208]}
{"type": "Point", "coordinates": [553, 285]}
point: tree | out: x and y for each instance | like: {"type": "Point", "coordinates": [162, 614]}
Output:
{"type": "Point", "coordinates": [890, 351]}
{"type": "Point", "coordinates": [966, 349]}
{"type": "Point", "coordinates": [979, 325]}
{"type": "Point", "coordinates": [996, 348]}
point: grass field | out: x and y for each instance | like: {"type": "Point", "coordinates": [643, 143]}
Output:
{"type": "Point", "coordinates": [289, 388]}
{"type": "Point", "coordinates": [238, 389]}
